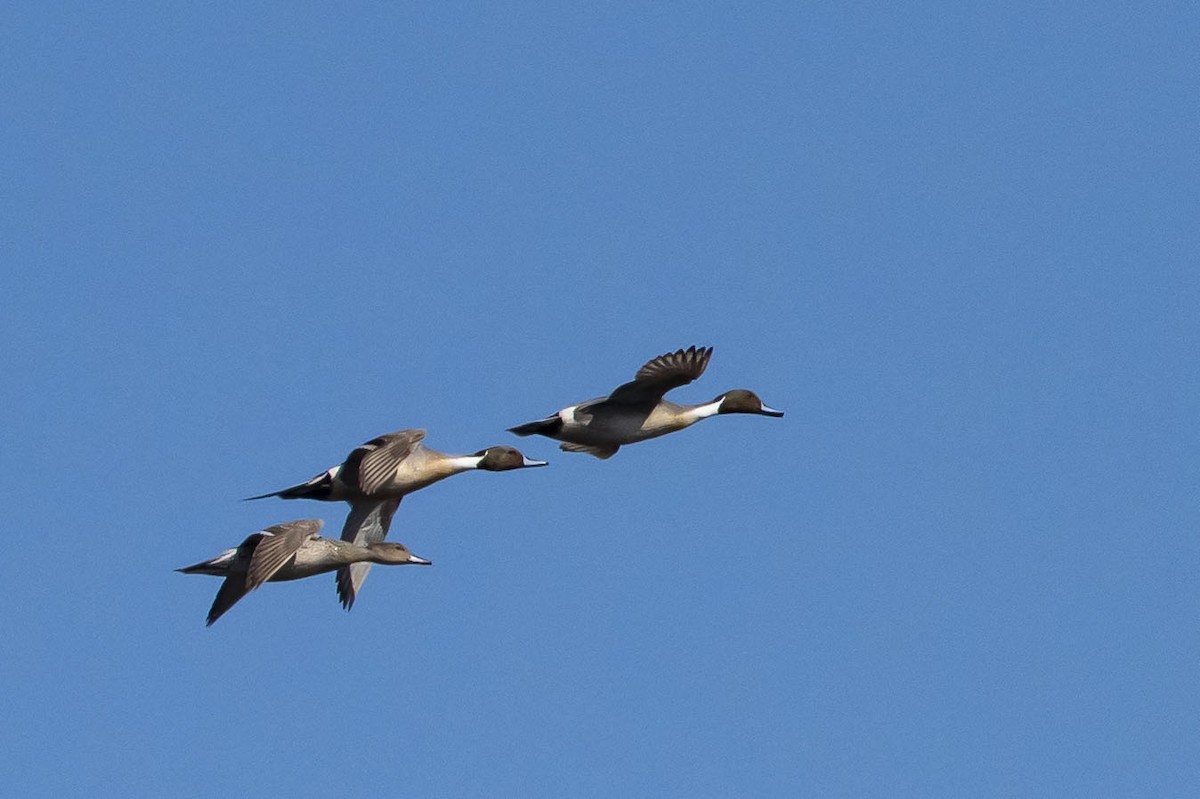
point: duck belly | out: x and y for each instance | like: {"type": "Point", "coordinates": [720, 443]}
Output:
{"type": "Point", "coordinates": [607, 426]}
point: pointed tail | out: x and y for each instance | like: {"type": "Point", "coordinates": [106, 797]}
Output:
{"type": "Point", "coordinates": [319, 487]}
{"type": "Point", "coordinates": [546, 427]}
{"type": "Point", "coordinates": [203, 567]}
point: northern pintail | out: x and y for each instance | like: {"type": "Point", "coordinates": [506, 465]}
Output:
{"type": "Point", "coordinates": [377, 475]}
{"type": "Point", "coordinates": [289, 551]}
{"type": "Point", "coordinates": [636, 411]}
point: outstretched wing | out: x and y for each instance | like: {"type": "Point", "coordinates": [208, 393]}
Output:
{"type": "Point", "coordinates": [232, 589]}
{"type": "Point", "coordinates": [603, 453]}
{"type": "Point", "coordinates": [277, 547]}
{"type": "Point", "coordinates": [659, 375]}
{"type": "Point", "coordinates": [368, 523]}
{"type": "Point", "coordinates": [371, 465]}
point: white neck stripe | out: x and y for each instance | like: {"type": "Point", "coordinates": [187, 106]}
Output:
{"type": "Point", "coordinates": [461, 463]}
{"type": "Point", "coordinates": [706, 410]}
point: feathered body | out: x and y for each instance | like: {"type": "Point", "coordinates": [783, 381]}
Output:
{"type": "Point", "coordinates": [376, 476]}
{"type": "Point", "coordinates": [636, 411]}
{"type": "Point", "coordinates": [290, 551]}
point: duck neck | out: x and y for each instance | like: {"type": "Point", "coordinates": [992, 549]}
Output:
{"type": "Point", "coordinates": [371, 557]}
{"type": "Point", "coordinates": [461, 463]}
{"type": "Point", "coordinates": [353, 553]}
{"type": "Point", "coordinates": [697, 412]}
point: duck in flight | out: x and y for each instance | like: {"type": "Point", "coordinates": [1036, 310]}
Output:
{"type": "Point", "coordinates": [290, 551]}
{"type": "Point", "coordinates": [636, 411]}
{"type": "Point", "coordinates": [376, 476]}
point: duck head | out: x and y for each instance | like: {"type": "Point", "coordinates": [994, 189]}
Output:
{"type": "Point", "coordinates": [501, 459]}
{"type": "Point", "coordinates": [740, 400]}
{"type": "Point", "coordinates": [390, 552]}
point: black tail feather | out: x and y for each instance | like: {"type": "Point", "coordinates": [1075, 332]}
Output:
{"type": "Point", "coordinates": [319, 487]}
{"type": "Point", "coordinates": [203, 567]}
{"type": "Point", "coordinates": [546, 427]}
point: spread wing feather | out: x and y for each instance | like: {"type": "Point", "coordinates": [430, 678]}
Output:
{"type": "Point", "coordinates": [232, 589]}
{"type": "Point", "coordinates": [603, 453]}
{"type": "Point", "coordinates": [367, 523]}
{"type": "Point", "coordinates": [659, 375]}
{"type": "Point", "coordinates": [372, 465]}
{"type": "Point", "coordinates": [277, 547]}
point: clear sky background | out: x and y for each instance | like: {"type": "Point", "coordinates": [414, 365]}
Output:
{"type": "Point", "coordinates": [957, 245]}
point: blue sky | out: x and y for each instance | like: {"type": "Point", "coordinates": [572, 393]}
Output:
{"type": "Point", "coordinates": [957, 245]}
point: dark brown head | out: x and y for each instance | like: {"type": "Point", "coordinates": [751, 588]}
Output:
{"type": "Point", "coordinates": [501, 459]}
{"type": "Point", "coordinates": [390, 552]}
{"type": "Point", "coordinates": [739, 400]}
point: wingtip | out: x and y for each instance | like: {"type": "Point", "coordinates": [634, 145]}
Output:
{"type": "Point", "coordinates": [345, 589]}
